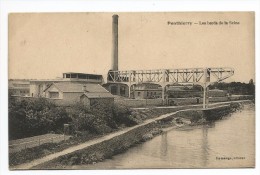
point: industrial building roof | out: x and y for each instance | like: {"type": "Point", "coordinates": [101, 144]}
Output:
{"type": "Point", "coordinates": [12, 83]}
{"type": "Point", "coordinates": [75, 87]}
{"type": "Point", "coordinates": [81, 73]}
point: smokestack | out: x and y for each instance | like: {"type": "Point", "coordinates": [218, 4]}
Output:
{"type": "Point", "coordinates": [115, 43]}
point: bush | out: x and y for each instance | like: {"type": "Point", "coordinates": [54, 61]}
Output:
{"type": "Point", "coordinates": [122, 115]}
{"type": "Point", "coordinates": [30, 117]}
{"type": "Point", "coordinates": [100, 118]}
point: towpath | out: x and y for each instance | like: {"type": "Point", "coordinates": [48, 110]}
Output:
{"type": "Point", "coordinates": [199, 105]}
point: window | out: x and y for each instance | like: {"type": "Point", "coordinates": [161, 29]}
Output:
{"type": "Point", "coordinates": [73, 76]}
{"type": "Point", "coordinates": [139, 94]}
{"type": "Point", "coordinates": [122, 90]}
{"type": "Point", "coordinates": [54, 94]}
{"type": "Point", "coordinates": [114, 90]}
{"type": "Point", "coordinates": [82, 76]}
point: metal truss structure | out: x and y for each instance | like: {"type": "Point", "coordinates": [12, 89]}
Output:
{"type": "Point", "coordinates": [170, 76]}
{"type": "Point", "coordinates": [166, 77]}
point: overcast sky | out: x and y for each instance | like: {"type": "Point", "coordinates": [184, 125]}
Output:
{"type": "Point", "coordinates": [44, 45]}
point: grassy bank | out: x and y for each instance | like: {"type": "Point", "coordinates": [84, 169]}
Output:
{"type": "Point", "coordinates": [30, 154]}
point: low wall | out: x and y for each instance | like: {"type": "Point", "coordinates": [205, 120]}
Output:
{"type": "Point", "coordinates": [241, 97]}
{"type": "Point", "coordinates": [183, 101]}
{"type": "Point", "coordinates": [102, 150]}
{"type": "Point", "coordinates": [216, 113]}
{"type": "Point", "coordinates": [134, 103]}
{"type": "Point", "coordinates": [139, 102]}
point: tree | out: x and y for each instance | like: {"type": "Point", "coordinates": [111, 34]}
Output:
{"type": "Point", "coordinates": [251, 87]}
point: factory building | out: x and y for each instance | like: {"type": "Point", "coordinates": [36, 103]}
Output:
{"type": "Point", "coordinates": [147, 91]}
{"type": "Point", "coordinates": [183, 92]}
{"type": "Point", "coordinates": [37, 87]}
{"type": "Point", "coordinates": [92, 98]}
{"type": "Point", "coordinates": [117, 89]}
{"type": "Point", "coordinates": [19, 87]}
{"type": "Point", "coordinates": [67, 93]}
{"type": "Point", "coordinates": [188, 92]}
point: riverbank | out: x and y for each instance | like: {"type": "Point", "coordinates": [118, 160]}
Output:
{"type": "Point", "coordinates": [112, 144]}
{"type": "Point", "coordinates": [198, 146]}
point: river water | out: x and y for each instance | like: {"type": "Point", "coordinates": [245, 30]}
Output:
{"type": "Point", "coordinates": [226, 143]}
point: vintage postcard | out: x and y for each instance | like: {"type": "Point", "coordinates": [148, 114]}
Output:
{"type": "Point", "coordinates": [131, 90]}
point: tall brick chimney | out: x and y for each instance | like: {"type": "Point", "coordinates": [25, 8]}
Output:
{"type": "Point", "coordinates": [114, 65]}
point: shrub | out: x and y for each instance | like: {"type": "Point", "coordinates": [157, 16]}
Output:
{"type": "Point", "coordinates": [122, 115]}
{"type": "Point", "coordinates": [30, 117]}
{"type": "Point", "coordinates": [100, 118]}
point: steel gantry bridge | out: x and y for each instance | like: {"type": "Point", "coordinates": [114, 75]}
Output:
{"type": "Point", "coordinates": [165, 77]}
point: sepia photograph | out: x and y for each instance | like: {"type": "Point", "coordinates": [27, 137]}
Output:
{"type": "Point", "coordinates": [131, 90]}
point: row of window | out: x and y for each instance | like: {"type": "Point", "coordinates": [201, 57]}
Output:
{"type": "Point", "coordinates": [152, 93]}
{"type": "Point", "coordinates": [24, 92]}
{"type": "Point", "coordinates": [148, 93]}
{"type": "Point", "coordinates": [83, 76]}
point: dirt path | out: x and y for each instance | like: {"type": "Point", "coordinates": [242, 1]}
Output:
{"type": "Point", "coordinates": [95, 141]}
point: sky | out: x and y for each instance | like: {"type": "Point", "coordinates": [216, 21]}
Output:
{"type": "Point", "coordinates": [44, 45]}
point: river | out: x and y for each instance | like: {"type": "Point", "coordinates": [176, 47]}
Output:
{"type": "Point", "coordinates": [226, 143]}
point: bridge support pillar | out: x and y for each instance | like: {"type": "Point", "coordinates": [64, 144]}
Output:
{"type": "Point", "coordinates": [205, 96]}
{"type": "Point", "coordinates": [163, 94]}
{"type": "Point", "coordinates": [206, 88]}
{"type": "Point", "coordinates": [129, 91]}
{"type": "Point", "coordinates": [134, 91]}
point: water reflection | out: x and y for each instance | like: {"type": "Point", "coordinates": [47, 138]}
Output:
{"type": "Point", "coordinates": [164, 146]}
{"type": "Point", "coordinates": [204, 145]}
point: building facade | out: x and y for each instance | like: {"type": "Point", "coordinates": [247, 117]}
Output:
{"type": "Point", "coordinates": [90, 99]}
{"type": "Point", "coordinates": [37, 87]}
{"type": "Point", "coordinates": [19, 87]}
{"type": "Point", "coordinates": [68, 93]}
{"type": "Point", "coordinates": [147, 91]}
